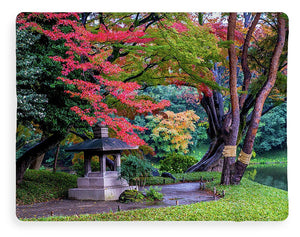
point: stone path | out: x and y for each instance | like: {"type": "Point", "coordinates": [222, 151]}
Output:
{"type": "Point", "coordinates": [174, 194]}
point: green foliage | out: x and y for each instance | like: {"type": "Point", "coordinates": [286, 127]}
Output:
{"type": "Point", "coordinates": [225, 44]}
{"type": "Point", "coordinates": [182, 99]}
{"type": "Point", "coordinates": [273, 156]}
{"type": "Point", "coordinates": [30, 101]}
{"type": "Point", "coordinates": [135, 170]}
{"type": "Point", "coordinates": [259, 57]}
{"type": "Point", "coordinates": [153, 193]}
{"type": "Point", "coordinates": [188, 177]}
{"type": "Point", "coordinates": [250, 174]}
{"type": "Point", "coordinates": [42, 186]}
{"type": "Point", "coordinates": [78, 167]}
{"type": "Point", "coordinates": [40, 96]}
{"type": "Point", "coordinates": [272, 131]}
{"type": "Point", "coordinates": [199, 151]}
{"type": "Point", "coordinates": [177, 163]}
{"type": "Point", "coordinates": [26, 137]}
{"type": "Point", "coordinates": [195, 50]}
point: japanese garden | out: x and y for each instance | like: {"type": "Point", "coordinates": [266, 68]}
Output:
{"type": "Point", "coordinates": [151, 116]}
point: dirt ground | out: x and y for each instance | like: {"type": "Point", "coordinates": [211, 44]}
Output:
{"type": "Point", "coordinates": [174, 194]}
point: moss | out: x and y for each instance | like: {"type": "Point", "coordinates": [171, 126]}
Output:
{"type": "Point", "coordinates": [131, 196]}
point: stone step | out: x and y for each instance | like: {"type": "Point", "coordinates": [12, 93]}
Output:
{"type": "Point", "coordinates": [107, 194]}
{"type": "Point", "coordinates": [101, 182]}
{"type": "Point", "coordinates": [106, 174]}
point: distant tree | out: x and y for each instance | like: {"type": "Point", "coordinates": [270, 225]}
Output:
{"type": "Point", "coordinates": [272, 131]}
{"type": "Point", "coordinates": [171, 132]}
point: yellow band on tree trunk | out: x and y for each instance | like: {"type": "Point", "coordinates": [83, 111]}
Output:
{"type": "Point", "coordinates": [244, 158]}
{"type": "Point", "coordinates": [229, 151]}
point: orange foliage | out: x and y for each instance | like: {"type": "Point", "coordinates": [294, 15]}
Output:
{"type": "Point", "coordinates": [176, 127]}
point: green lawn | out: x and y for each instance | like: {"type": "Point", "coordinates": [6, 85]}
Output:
{"type": "Point", "coordinates": [249, 201]}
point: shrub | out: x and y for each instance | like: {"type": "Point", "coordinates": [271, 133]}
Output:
{"type": "Point", "coordinates": [135, 170]}
{"type": "Point", "coordinates": [131, 196]}
{"type": "Point", "coordinates": [177, 163]}
{"type": "Point", "coordinates": [153, 193]}
{"type": "Point", "coordinates": [42, 186]}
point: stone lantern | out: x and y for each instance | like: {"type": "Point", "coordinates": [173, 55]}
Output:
{"type": "Point", "coordinates": [102, 185]}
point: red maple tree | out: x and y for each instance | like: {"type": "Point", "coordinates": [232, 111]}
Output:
{"type": "Point", "coordinates": [87, 54]}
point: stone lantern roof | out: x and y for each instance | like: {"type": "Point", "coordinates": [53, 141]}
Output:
{"type": "Point", "coordinates": [101, 142]}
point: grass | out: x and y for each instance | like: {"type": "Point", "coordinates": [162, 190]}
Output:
{"type": "Point", "coordinates": [188, 177]}
{"type": "Point", "coordinates": [249, 201]}
{"type": "Point", "coordinates": [42, 186]}
{"type": "Point", "coordinates": [270, 157]}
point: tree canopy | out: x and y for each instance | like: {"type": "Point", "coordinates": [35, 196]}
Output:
{"type": "Point", "coordinates": [77, 69]}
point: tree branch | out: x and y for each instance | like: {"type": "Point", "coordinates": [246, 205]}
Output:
{"type": "Point", "coordinates": [83, 136]}
{"type": "Point", "coordinates": [266, 88]}
{"type": "Point", "coordinates": [150, 65]}
{"type": "Point", "coordinates": [244, 61]}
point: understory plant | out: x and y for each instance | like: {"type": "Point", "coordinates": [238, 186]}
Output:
{"type": "Point", "coordinates": [131, 196]}
{"type": "Point", "coordinates": [177, 163]}
{"type": "Point", "coordinates": [135, 170]}
{"type": "Point", "coordinates": [151, 194]}
{"type": "Point", "coordinates": [154, 194]}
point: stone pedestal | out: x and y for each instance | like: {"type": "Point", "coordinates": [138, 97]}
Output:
{"type": "Point", "coordinates": [99, 186]}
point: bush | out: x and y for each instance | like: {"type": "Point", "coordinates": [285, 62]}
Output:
{"type": "Point", "coordinates": [135, 170]}
{"type": "Point", "coordinates": [153, 194]}
{"type": "Point", "coordinates": [42, 186]}
{"type": "Point", "coordinates": [131, 196]}
{"type": "Point", "coordinates": [177, 163]}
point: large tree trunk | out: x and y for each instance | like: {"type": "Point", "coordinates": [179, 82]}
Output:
{"type": "Point", "coordinates": [242, 163]}
{"type": "Point", "coordinates": [56, 158]}
{"type": "Point", "coordinates": [234, 117]}
{"type": "Point", "coordinates": [244, 59]}
{"type": "Point", "coordinates": [211, 160]}
{"type": "Point", "coordinates": [214, 109]}
{"type": "Point", "coordinates": [36, 164]}
{"type": "Point", "coordinates": [33, 153]}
